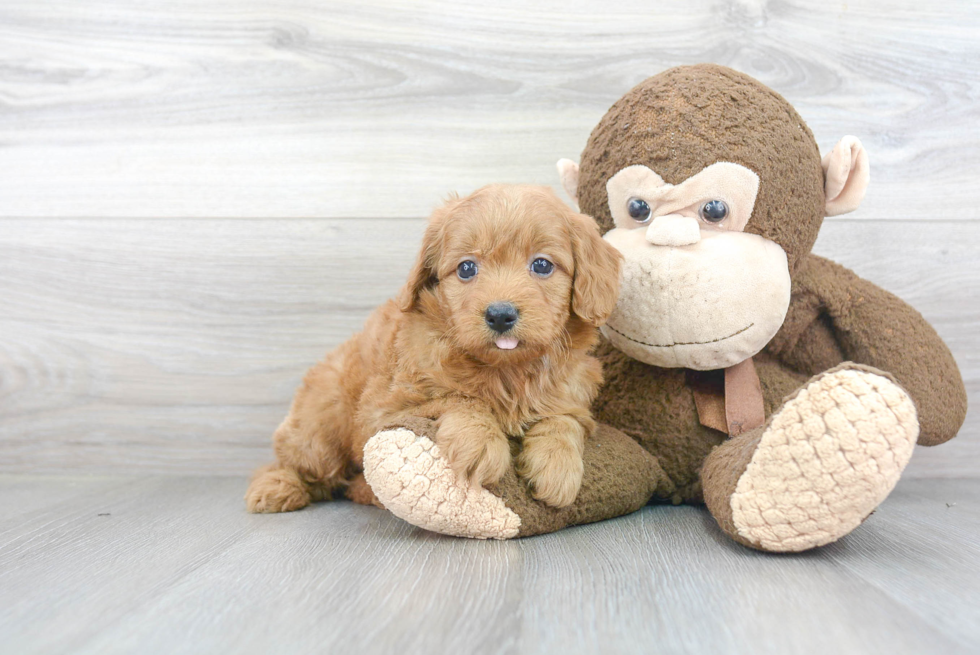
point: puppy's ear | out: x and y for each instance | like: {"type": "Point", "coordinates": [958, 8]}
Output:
{"type": "Point", "coordinates": [595, 284]}
{"type": "Point", "coordinates": [424, 272]}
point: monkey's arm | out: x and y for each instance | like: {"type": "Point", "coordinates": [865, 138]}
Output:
{"type": "Point", "coordinates": [835, 310]}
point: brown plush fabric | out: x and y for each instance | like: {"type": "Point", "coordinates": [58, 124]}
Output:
{"type": "Point", "coordinates": [620, 477]}
{"type": "Point", "coordinates": [656, 407]}
{"type": "Point", "coordinates": [423, 427]}
{"type": "Point", "coordinates": [871, 326]}
{"type": "Point", "coordinates": [687, 118]}
{"type": "Point", "coordinates": [720, 475]}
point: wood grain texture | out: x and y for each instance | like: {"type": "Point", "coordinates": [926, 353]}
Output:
{"type": "Point", "coordinates": [26, 496]}
{"type": "Point", "coordinates": [290, 108]}
{"type": "Point", "coordinates": [135, 541]}
{"type": "Point", "coordinates": [163, 565]}
{"type": "Point", "coordinates": [175, 346]}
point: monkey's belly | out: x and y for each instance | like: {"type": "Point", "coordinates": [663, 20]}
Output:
{"type": "Point", "coordinates": [656, 407]}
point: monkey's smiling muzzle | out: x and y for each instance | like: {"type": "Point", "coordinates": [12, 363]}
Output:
{"type": "Point", "coordinates": [705, 305]}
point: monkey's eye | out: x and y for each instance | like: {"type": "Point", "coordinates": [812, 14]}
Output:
{"type": "Point", "coordinates": [639, 210]}
{"type": "Point", "coordinates": [713, 211]}
{"type": "Point", "coordinates": [466, 270]}
{"type": "Point", "coordinates": [542, 267]}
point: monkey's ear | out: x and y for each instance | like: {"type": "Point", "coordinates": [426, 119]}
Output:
{"type": "Point", "coordinates": [424, 273]}
{"type": "Point", "coordinates": [846, 176]}
{"type": "Point", "coordinates": [568, 173]}
{"type": "Point", "coordinates": [595, 283]}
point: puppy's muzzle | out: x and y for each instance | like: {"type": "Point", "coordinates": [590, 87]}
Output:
{"type": "Point", "coordinates": [501, 316]}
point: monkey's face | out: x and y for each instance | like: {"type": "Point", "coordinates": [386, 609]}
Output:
{"type": "Point", "coordinates": [696, 291]}
{"type": "Point", "coordinates": [709, 256]}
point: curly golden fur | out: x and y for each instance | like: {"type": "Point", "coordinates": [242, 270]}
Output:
{"type": "Point", "coordinates": [433, 354]}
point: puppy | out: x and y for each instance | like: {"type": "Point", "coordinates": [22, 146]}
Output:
{"type": "Point", "coordinates": [490, 338]}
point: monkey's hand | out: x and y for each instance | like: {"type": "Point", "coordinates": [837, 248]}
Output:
{"type": "Point", "coordinates": [873, 327]}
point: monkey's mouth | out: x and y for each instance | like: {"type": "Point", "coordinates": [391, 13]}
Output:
{"type": "Point", "coordinates": [679, 343]}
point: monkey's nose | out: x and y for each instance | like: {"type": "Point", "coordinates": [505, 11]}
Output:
{"type": "Point", "coordinates": [674, 230]}
{"type": "Point", "coordinates": [501, 316]}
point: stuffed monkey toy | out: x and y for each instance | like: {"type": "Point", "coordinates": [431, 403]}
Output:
{"type": "Point", "coordinates": [742, 371]}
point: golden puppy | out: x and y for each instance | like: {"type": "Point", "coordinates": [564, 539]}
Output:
{"type": "Point", "coordinates": [490, 338]}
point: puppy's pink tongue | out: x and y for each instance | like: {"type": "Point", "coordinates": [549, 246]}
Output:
{"type": "Point", "coordinates": [507, 343]}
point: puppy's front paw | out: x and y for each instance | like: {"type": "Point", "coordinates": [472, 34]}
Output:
{"type": "Point", "coordinates": [475, 451]}
{"type": "Point", "coordinates": [481, 460]}
{"type": "Point", "coordinates": [551, 461]}
{"type": "Point", "coordinates": [276, 490]}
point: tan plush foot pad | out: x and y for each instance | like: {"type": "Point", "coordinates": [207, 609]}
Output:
{"type": "Point", "coordinates": [829, 457]}
{"type": "Point", "coordinates": [415, 483]}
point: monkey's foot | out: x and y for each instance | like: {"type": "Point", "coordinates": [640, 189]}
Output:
{"type": "Point", "coordinates": [821, 465]}
{"type": "Point", "coordinates": [415, 483]}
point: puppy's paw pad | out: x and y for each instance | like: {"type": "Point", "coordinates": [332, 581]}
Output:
{"type": "Point", "coordinates": [492, 463]}
{"type": "Point", "coordinates": [482, 459]}
{"type": "Point", "coordinates": [554, 473]}
{"type": "Point", "coordinates": [275, 491]}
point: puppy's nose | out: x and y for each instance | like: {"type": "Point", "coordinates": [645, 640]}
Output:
{"type": "Point", "coordinates": [501, 316]}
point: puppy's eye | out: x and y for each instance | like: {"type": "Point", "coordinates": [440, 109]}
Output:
{"type": "Point", "coordinates": [713, 211]}
{"type": "Point", "coordinates": [466, 270]}
{"type": "Point", "coordinates": [639, 210]}
{"type": "Point", "coordinates": [542, 267]}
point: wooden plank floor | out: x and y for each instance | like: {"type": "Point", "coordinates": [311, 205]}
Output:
{"type": "Point", "coordinates": [170, 564]}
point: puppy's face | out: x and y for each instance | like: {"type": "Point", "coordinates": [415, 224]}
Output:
{"type": "Point", "coordinates": [514, 273]}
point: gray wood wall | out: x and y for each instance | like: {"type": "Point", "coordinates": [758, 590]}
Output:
{"type": "Point", "coordinates": [198, 199]}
